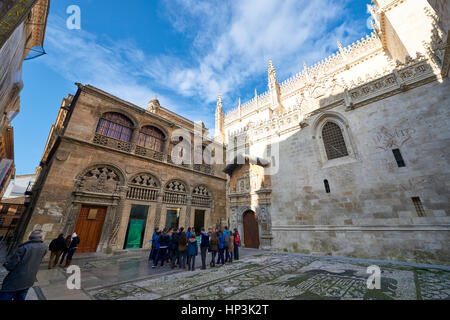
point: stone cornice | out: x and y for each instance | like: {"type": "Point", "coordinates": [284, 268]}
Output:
{"type": "Point", "coordinates": [325, 228]}
{"type": "Point", "coordinates": [406, 76]}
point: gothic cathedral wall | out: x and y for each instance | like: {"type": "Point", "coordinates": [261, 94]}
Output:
{"type": "Point", "coordinates": [369, 211]}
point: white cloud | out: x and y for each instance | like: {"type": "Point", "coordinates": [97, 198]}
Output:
{"type": "Point", "coordinates": [80, 56]}
{"type": "Point", "coordinates": [231, 42]}
{"type": "Point", "coordinates": [234, 40]}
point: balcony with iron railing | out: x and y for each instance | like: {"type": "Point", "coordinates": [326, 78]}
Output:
{"type": "Point", "coordinates": [131, 148]}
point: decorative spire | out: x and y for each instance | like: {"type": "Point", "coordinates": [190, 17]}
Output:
{"type": "Point", "coordinates": [219, 102]}
{"type": "Point", "coordinates": [341, 50]}
{"type": "Point", "coordinates": [239, 107]}
{"type": "Point", "coordinates": [220, 128]}
{"type": "Point", "coordinates": [274, 88]}
{"type": "Point", "coordinates": [272, 74]}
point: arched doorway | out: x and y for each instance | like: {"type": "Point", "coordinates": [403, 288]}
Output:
{"type": "Point", "coordinates": [251, 232]}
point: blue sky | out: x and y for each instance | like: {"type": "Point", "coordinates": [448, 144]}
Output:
{"type": "Point", "coordinates": [182, 51]}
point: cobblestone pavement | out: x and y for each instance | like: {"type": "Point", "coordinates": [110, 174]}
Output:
{"type": "Point", "coordinates": [274, 276]}
{"type": "Point", "coordinates": [258, 275]}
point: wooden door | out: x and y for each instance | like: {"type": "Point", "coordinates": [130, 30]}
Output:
{"type": "Point", "coordinates": [89, 227]}
{"type": "Point", "coordinates": [251, 232]}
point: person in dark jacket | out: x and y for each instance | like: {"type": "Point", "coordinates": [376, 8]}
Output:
{"type": "Point", "coordinates": [56, 248]}
{"type": "Point", "coordinates": [204, 246]}
{"type": "Point", "coordinates": [155, 249]}
{"type": "Point", "coordinates": [164, 241]}
{"type": "Point", "coordinates": [226, 243]}
{"type": "Point", "coordinates": [174, 248]}
{"type": "Point", "coordinates": [66, 249]}
{"type": "Point", "coordinates": [188, 233]}
{"type": "Point", "coordinates": [221, 258]}
{"type": "Point", "coordinates": [72, 248]}
{"type": "Point", "coordinates": [153, 241]}
{"type": "Point", "coordinates": [214, 246]}
{"type": "Point", "coordinates": [192, 252]}
{"type": "Point", "coordinates": [23, 266]}
{"type": "Point", "coordinates": [182, 250]}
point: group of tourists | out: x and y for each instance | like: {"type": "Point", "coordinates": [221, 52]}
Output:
{"type": "Point", "coordinates": [65, 247]}
{"type": "Point", "coordinates": [180, 248]}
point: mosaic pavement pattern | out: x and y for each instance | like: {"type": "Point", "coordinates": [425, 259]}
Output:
{"type": "Point", "coordinates": [275, 276]}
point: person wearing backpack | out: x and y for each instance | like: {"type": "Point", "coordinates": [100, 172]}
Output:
{"type": "Point", "coordinates": [174, 248]}
{"type": "Point", "coordinates": [221, 246]}
{"type": "Point", "coordinates": [154, 241]}
{"type": "Point", "coordinates": [56, 247]}
{"type": "Point", "coordinates": [164, 241]}
{"type": "Point", "coordinates": [192, 252]}
{"type": "Point", "coordinates": [182, 250]}
{"type": "Point", "coordinates": [237, 244]}
{"type": "Point", "coordinates": [226, 243]}
{"type": "Point", "coordinates": [204, 246]}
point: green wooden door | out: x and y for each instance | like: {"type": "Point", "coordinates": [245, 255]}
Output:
{"type": "Point", "coordinates": [135, 234]}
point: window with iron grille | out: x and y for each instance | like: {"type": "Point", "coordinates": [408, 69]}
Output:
{"type": "Point", "coordinates": [399, 158]}
{"type": "Point", "coordinates": [116, 126]}
{"type": "Point", "coordinates": [151, 138]}
{"type": "Point", "coordinates": [419, 206]}
{"type": "Point", "coordinates": [334, 141]}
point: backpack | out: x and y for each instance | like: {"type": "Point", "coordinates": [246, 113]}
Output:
{"type": "Point", "coordinates": [175, 239]}
{"type": "Point", "coordinates": [226, 241]}
{"type": "Point", "coordinates": [182, 241]}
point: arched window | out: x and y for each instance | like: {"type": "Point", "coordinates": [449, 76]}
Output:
{"type": "Point", "coordinates": [151, 138]}
{"type": "Point", "coordinates": [333, 141]}
{"type": "Point", "coordinates": [115, 125]}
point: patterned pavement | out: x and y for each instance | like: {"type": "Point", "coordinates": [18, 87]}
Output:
{"type": "Point", "coordinates": [257, 276]}
{"type": "Point", "coordinates": [277, 276]}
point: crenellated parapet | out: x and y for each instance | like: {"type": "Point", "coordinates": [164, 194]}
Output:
{"type": "Point", "coordinates": [338, 62]}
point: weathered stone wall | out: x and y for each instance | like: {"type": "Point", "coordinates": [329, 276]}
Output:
{"type": "Point", "coordinates": [369, 212]}
{"type": "Point", "coordinates": [58, 206]}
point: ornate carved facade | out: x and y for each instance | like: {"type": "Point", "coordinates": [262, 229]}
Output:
{"type": "Point", "coordinates": [352, 143]}
{"type": "Point", "coordinates": [105, 155]}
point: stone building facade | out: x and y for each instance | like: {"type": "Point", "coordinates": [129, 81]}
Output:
{"type": "Point", "coordinates": [350, 157]}
{"type": "Point", "coordinates": [22, 28]}
{"type": "Point", "coordinates": [109, 173]}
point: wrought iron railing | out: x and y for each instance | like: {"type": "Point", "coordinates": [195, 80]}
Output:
{"type": "Point", "coordinates": [112, 143]}
{"type": "Point", "coordinates": [148, 153]}
{"type": "Point", "coordinates": [141, 151]}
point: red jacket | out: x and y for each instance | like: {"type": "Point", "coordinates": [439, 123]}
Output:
{"type": "Point", "coordinates": [237, 239]}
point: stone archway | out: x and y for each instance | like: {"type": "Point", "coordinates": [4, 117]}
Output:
{"type": "Point", "coordinates": [251, 230]}
{"type": "Point", "coordinates": [95, 215]}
